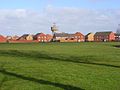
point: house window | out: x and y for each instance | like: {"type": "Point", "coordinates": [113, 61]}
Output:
{"type": "Point", "coordinates": [72, 38]}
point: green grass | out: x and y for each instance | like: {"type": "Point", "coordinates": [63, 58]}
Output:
{"type": "Point", "coordinates": [60, 66]}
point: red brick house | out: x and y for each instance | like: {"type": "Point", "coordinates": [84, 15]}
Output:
{"type": "Point", "coordinates": [80, 37]}
{"type": "Point", "coordinates": [104, 36]}
{"type": "Point", "coordinates": [49, 37]}
{"type": "Point", "coordinates": [2, 39]}
{"type": "Point", "coordinates": [41, 37]}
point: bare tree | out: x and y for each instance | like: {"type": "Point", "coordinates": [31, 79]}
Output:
{"type": "Point", "coordinates": [118, 29]}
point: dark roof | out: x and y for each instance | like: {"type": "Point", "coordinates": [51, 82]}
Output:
{"type": "Point", "coordinates": [88, 34]}
{"type": "Point", "coordinates": [35, 36]}
{"type": "Point", "coordinates": [103, 33]}
{"type": "Point", "coordinates": [38, 34]}
{"type": "Point", "coordinates": [23, 36]}
{"type": "Point", "coordinates": [63, 35]}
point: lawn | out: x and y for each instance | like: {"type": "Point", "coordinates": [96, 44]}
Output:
{"type": "Point", "coordinates": [60, 66]}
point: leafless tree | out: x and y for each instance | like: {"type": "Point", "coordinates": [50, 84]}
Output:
{"type": "Point", "coordinates": [118, 29]}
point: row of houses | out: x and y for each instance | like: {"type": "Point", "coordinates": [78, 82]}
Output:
{"type": "Point", "coordinates": [39, 37]}
{"type": "Point", "coordinates": [79, 37]}
{"type": "Point", "coordinates": [90, 37]}
{"type": "Point", "coordinates": [63, 37]}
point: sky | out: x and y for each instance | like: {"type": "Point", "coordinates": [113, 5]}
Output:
{"type": "Point", "coordinates": [19, 17]}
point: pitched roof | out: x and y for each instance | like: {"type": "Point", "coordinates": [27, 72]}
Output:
{"type": "Point", "coordinates": [63, 35]}
{"type": "Point", "coordinates": [89, 34]}
{"type": "Point", "coordinates": [49, 35]}
{"type": "Point", "coordinates": [103, 33]}
{"type": "Point", "coordinates": [2, 36]}
{"type": "Point", "coordinates": [79, 33]}
{"type": "Point", "coordinates": [23, 36]}
{"type": "Point", "coordinates": [39, 33]}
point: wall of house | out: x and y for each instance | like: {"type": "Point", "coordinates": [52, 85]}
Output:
{"type": "Point", "coordinates": [112, 37]}
{"type": "Point", "coordinates": [2, 39]}
{"type": "Point", "coordinates": [49, 38]}
{"type": "Point", "coordinates": [41, 38]}
{"type": "Point", "coordinates": [80, 37]}
{"type": "Point", "coordinates": [30, 37]}
{"type": "Point", "coordinates": [100, 38]}
{"type": "Point", "coordinates": [90, 37]}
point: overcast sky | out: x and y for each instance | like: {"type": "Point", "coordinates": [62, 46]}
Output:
{"type": "Point", "coordinates": [18, 17]}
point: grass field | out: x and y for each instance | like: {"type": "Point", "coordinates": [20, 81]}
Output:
{"type": "Point", "coordinates": [60, 66]}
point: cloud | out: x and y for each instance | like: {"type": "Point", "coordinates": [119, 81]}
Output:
{"type": "Point", "coordinates": [20, 21]}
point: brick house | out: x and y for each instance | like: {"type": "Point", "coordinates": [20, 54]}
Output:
{"type": "Point", "coordinates": [2, 39]}
{"type": "Point", "coordinates": [104, 36]}
{"type": "Point", "coordinates": [65, 37]}
{"type": "Point", "coordinates": [41, 37]}
{"type": "Point", "coordinates": [60, 37]}
{"type": "Point", "coordinates": [79, 37]}
{"type": "Point", "coordinates": [49, 37]}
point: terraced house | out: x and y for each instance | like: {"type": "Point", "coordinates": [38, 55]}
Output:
{"type": "Point", "coordinates": [104, 36]}
{"type": "Point", "coordinates": [41, 37]}
{"type": "Point", "coordinates": [65, 37]}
